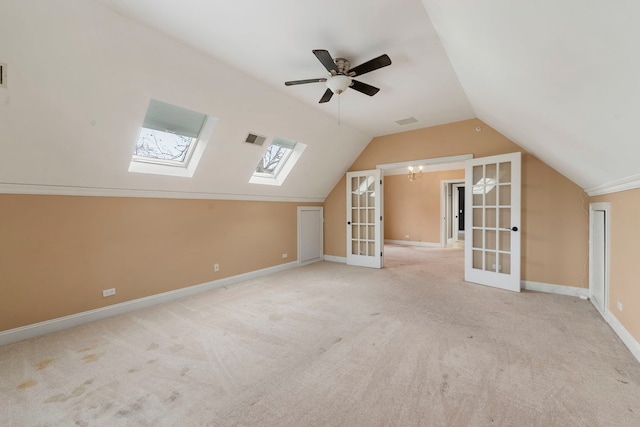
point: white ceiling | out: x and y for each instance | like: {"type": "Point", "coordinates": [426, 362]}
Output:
{"type": "Point", "coordinates": [561, 78]}
{"type": "Point", "coordinates": [272, 41]}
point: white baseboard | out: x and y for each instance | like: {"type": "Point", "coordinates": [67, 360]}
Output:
{"type": "Point", "coordinates": [625, 336]}
{"type": "Point", "coordinates": [621, 331]}
{"type": "Point", "coordinates": [54, 325]}
{"type": "Point", "coordinates": [411, 243]}
{"type": "Point", "coordinates": [555, 289]}
{"type": "Point", "coordinates": [340, 259]}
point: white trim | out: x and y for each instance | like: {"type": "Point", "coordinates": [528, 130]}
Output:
{"type": "Point", "coordinates": [54, 325]}
{"type": "Point", "coordinates": [618, 328]}
{"type": "Point", "coordinates": [555, 289]}
{"type": "Point", "coordinates": [283, 169]}
{"type": "Point", "coordinates": [333, 258]}
{"type": "Point", "coordinates": [300, 236]}
{"type": "Point", "coordinates": [186, 169]}
{"type": "Point", "coordinates": [628, 183]}
{"type": "Point", "coordinates": [425, 162]}
{"type": "Point", "coordinates": [60, 190]}
{"type": "Point", "coordinates": [411, 243]}
{"type": "Point", "coordinates": [444, 207]}
{"type": "Point", "coordinates": [606, 207]}
{"type": "Point", "coordinates": [625, 336]}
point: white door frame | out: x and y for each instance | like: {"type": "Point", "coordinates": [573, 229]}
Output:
{"type": "Point", "coordinates": [365, 218]}
{"type": "Point", "coordinates": [455, 210]}
{"type": "Point", "coordinates": [304, 238]}
{"type": "Point", "coordinates": [606, 207]}
{"type": "Point", "coordinates": [445, 209]}
{"type": "Point", "coordinates": [487, 273]}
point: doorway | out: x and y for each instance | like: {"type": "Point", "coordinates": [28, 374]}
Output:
{"type": "Point", "coordinates": [452, 212]}
{"type": "Point", "coordinates": [599, 220]}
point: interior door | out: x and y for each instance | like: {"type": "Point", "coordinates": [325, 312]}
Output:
{"type": "Point", "coordinates": [492, 250]}
{"type": "Point", "coordinates": [597, 262]}
{"type": "Point", "coordinates": [310, 234]}
{"type": "Point", "coordinates": [364, 218]}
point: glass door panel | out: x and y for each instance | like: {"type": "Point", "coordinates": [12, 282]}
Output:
{"type": "Point", "coordinates": [493, 191]}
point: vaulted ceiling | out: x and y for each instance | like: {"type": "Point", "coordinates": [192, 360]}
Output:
{"type": "Point", "coordinates": [558, 77]}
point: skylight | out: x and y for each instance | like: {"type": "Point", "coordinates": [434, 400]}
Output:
{"type": "Point", "coordinates": [171, 140]}
{"type": "Point", "coordinates": [277, 161]}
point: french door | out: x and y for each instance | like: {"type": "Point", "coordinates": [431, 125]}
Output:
{"type": "Point", "coordinates": [492, 223]}
{"type": "Point", "coordinates": [364, 218]}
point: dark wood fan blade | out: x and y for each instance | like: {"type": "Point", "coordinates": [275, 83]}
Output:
{"type": "Point", "coordinates": [374, 64]}
{"type": "Point", "coordinates": [364, 88]}
{"type": "Point", "coordinates": [326, 97]}
{"type": "Point", "coordinates": [325, 58]}
{"type": "Point", "coordinates": [301, 82]}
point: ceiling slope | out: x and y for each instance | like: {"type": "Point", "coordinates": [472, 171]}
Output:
{"type": "Point", "coordinates": [272, 41]}
{"type": "Point", "coordinates": [559, 78]}
{"type": "Point", "coordinates": [79, 82]}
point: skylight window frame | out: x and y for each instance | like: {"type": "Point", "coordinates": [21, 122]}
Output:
{"type": "Point", "coordinates": [285, 165]}
{"type": "Point", "coordinates": [175, 163]}
{"type": "Point", "coordinates": [283, 160]}
{"type": "Point", "coordinates": [183, 168]}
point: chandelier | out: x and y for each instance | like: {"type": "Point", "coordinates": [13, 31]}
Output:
{"type": "Point", "coordinates": [414, 174]}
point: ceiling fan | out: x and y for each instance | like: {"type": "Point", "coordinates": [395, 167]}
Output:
{"type": "Point", "coordinates": [341, 74]}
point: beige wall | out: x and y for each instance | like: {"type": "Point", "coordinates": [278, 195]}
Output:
{"type": "Point", "coordinates": [58, 253]}
{"type": "Point", "coordinates": [624, 274]}
{"type": "Point", "coordinates": [413, 208]}
{"type": "Point", "coordinates": [554, 221]}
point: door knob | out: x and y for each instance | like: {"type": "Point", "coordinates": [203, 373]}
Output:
{"type": "Point", "coordinates": [348, 222]}
{"type": "Point", "coordinates": [513, 229]}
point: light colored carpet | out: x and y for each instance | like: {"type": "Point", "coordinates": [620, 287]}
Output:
{"type": "Point", "coordinates": [328, 344]}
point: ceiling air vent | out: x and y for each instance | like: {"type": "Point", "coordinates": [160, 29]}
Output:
{"type": "Point", "coordinates": [407, 121]}
{"type": "Point", "coordinates": [255, 139]}
{"type": "Point", "coordinates": [3, 75]}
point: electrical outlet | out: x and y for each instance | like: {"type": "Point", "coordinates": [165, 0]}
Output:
{"type": "Point", "coordinates": [216, 267]}
{"type": "Point", "coordinates": [108, 292]}
{"type": "Point", "coordinates": [619, 305]}
{"type": "Point", "coordinates": [285, 255]}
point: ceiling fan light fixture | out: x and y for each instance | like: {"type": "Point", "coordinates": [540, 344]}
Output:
{"type": "Point", "coordinates": [339, 83]}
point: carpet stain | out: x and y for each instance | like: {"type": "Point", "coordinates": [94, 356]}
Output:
{"type": "Point", "coordinates": [152, 346]}
{"type": "Point", "coordinates": [149, 362]}
{"type": "Point", "coordinates": [89, 358]}
{"type": "Point", "coordinates": [337, 340]}
{"type": "Point", "coordinates": [623, 381]}
{"type": "Point", "coordinates": [57, 398]}
{"type": "Point", "coordinates": [132, 408]}
{"type": "Point", "coordinates": [184, 371]}
{"type": "Point", "coordinates": [88, 382]}
{"type": "Point", "coordinates": [174, 396]}
{"type": "Point", "coordinates": [444, 387]}
{"type": "Point", "coordinates": [43, 364]}
{"type": "Point", "coordinates": [275, 317]}
{"type": "Point", "coordinates": [27, 384]}
{"type": "Point", "coordinates": [375, 314]}
{"type": "Point", "coordinates": [322, 350]}
{"type": "Point", "coordinates": [85, 349]}
{"type": "Point", "coordinates": [78, 391]}
{"type": "Point", "coordinates": [176, 348]}
{"type": "Point", "coordinates": [132, 370]}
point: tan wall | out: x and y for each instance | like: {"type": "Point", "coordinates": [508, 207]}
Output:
{"type": "Point", "coordinates": [554, 222]}
{"type": "Point", "coordinates": [624, 274]}
{"type": "Point", "coordinates": [58, 253]}
{"type": "Point", "coordinates": [413, 208]}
